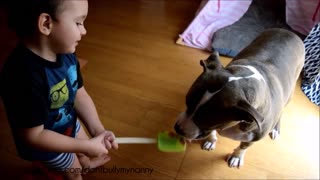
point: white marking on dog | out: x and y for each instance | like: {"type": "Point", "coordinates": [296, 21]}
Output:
{"type": "Point", "coordinates": [211, 141]}
{"type": "Point", "coordinates": [209, 146]}
{"type": "Point", "coordinates": [236, 159]}
{"type": "Point", "coordinates": [256, 74]}
{"type": "Point", "coordinates": [206, 97]}
{"type": "Point", "coordinates": [274, 134]}
{"type": "Point", "coordinates": [185, 122]}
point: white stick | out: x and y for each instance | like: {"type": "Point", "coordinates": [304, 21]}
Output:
{"type": "Point", "coordinates": [135, 140]}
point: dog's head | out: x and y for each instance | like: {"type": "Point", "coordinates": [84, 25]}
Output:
{"type": "Point", "coordinates": [214, 103]}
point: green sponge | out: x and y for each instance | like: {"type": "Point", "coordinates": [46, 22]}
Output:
{"type": "Point", "coordinates": [166, 141]}
{"type": "Point", "coordinates": [170, 142]}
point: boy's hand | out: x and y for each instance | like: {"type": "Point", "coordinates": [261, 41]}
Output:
{"type": "Point", "coordinates": [109, 140]}
{"type": "Point", "coordinates": [97, 146]}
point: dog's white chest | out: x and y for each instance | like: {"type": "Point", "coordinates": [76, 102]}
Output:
{"type": "Point", "coordinates": [236, 134]}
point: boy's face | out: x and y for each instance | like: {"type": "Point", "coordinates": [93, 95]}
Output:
{"type": "Point", "coordinates": [69, 28]}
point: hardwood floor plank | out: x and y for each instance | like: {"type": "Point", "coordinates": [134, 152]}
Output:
{"type": "Point", "coordinates": [138, 78]}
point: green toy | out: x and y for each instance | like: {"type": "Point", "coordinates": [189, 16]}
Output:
{"type": "Point", "coordinates": [166, 141]}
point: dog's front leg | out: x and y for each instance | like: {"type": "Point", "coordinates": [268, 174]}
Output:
{"type": "Point", "coordinates": [236, 159]}
{"type": "Point", "coordinates": [275, 132]}
{"type": "Point", "coordinates": [210, 142]}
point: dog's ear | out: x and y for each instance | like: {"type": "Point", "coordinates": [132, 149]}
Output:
{"type": "Point", "coordinates": [245, 112]}
{"type": "Point", "coordinates": [211, 63]}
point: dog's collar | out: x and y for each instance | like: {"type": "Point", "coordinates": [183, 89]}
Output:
{"type": "Point", "coordinates": [256, 74]}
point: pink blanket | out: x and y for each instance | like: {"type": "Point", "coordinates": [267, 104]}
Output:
{"type": "Point", "coordinates": [213, 15]}
{"type": "Point", "coordinates": [302, 15]}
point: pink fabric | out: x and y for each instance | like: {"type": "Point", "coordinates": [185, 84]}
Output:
{"type": "Point", "coordinates": [302, 15]}
{"type": "Point", "coordinates": [212, 16]}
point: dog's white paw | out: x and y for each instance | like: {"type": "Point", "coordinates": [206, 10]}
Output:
{"type": "Point", "coordinates": [211, 141]}
{"type": "Point", "coordinates": [235, 161]}
{"type": "Point", "coordinates": [209, 145]}
{"type": "Point", "coordinates": [274, 134]}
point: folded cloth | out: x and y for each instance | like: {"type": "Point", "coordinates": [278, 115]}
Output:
{"type": "Point", "coordinates": [311, 70]}
{"type": "Point", "coordinates": [211, 16]}
{"type": "Point", "coordinates": [302, 16]}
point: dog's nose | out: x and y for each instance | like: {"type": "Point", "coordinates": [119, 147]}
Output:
{"type": "Point", "coordinates": [178, 129]}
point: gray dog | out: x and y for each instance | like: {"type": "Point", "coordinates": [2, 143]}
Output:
{"type": "Point", "coordinates": [244, 100]}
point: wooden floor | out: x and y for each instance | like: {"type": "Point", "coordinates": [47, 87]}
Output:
{"type": "Point", "coordinates": [138, 78]}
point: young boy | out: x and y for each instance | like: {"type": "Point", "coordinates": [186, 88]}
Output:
{"type": "Point", "coordinates": [42, 88]}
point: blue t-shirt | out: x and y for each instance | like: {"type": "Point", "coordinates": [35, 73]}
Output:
{"type": "Point", "coordinates": [40, 92]}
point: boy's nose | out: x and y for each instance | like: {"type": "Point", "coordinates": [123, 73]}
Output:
{"type": "Point", "coordinates": [83, 31]}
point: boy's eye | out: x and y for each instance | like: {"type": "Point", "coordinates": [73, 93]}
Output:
{"type": "Point", "coordinates": [79, 24]}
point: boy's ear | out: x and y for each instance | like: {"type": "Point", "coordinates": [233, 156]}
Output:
{"type": "Point", "coordinates": [45, 23]}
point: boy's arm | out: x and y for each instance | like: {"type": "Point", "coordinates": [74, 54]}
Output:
{"type": "Point", "coordinates": [87, 112]}
{"type": "Point", "coordinates": [47, 140]}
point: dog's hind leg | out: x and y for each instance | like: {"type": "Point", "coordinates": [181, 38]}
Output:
{"type": "Point", "coordinates": [210, 143]}
{"type": "Point", "coordinates": [236, 159]}
{"type": "Point", "coordinates": [275, 132]}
